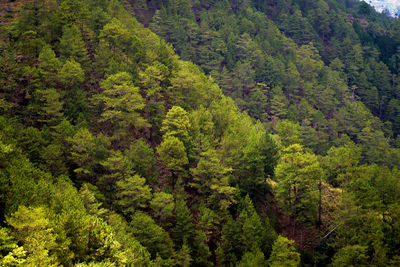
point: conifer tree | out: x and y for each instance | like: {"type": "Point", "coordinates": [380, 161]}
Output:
{"type": "Point", "coordinates": [132, 193]}
{"type": "Point", "coordinates": [121, 102]}
{"type": "Point", "coordinates": [71, 74]}
{"type": "Point", "coordinates": [50, 106]}
{"type": "Point", "coordinates": [48, 65]}
{"type": "Point", "coordinates": [173, 153]}
{"type": "Point", "coordinates": [72, 46]}
{"type": "Point", "coordinates": [284, 254]}
{"type": "Point", "coordinates": [183, 230]}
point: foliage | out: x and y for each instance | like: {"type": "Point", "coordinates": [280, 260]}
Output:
{"type": "Point", "coordinates": [115, 151]}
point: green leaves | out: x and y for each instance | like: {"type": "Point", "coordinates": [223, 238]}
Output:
{"type": "Point", "coordinates": [351, 256]}
{"type": "Point", "coordinates": [298, 174]}
{"type": "Point", "coordinates": [71, 74]}
{"type": "Point", "coordinates": [72, 46]}
{"type": "Point", "coordinates": [50, 106]}
{"type": "Point", "coordinates": [88, 150]}
{"type": "Point", "coordinates": [284, 254]}
{"type": "Point", "coordinates": [162, 205]}
{"type": "Point", "coordinates": [151, 235]}
{"type": "Point", "coordinates": [33, 229]}
{"type": "Point", "coordinates": [211, 178]}
{"type": "Point", "coordinates": [173, 153]}
{"type": "Point", "coordinates": [132, 193]}
{"type": "Point", "coordinates": [176, 124]}
{"type": "Point", "coordinates": [120, 102]}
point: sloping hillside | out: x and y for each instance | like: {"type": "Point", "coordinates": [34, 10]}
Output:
{"type": "Point", "coordinates": [278, 150]}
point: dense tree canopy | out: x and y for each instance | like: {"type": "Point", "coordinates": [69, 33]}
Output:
{"type": "Point", "coordinates": [281, 148]}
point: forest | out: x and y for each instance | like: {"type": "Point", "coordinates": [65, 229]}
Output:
{"type": "Point", "coordinates": [199, 133]}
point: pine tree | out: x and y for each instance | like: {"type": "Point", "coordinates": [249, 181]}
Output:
{"type": "Point", "coordinates": [351, 256]}
{"type": "Point", "coordinates": [48, 65]}
{"type": "Point", "coordinates": [211, 178]}
{"type": "Point", "coordinates": [162, 205]}
{"type": "Point", "coordinates": [72, 46]}
{"type": "Point", "coordinates": [33, 228]}
{"type": "Point", "coordinates": [140, 158]}
{"type": "Point", "coordinates": [183, 230]}
{"type": "Point", "coordinates": [50, 106]}
{"type": "Point", "coordinates": [176, 124]}
{"type": "Point", "coordinates": [173, 153]}
{"type": "Point", "coordinates": [71, 74]}
{"type": "Point", "coordinates": [132, 193]}
{"type": "Point", "coordinates": [284, 254]}
{"type": "Point", "coordinates": [121, 102]}
{"type": "Point", "coordinates": [152, 236]}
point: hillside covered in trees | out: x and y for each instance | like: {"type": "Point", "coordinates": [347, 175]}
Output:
{"type": "Point", "coordinates": [199, 133]}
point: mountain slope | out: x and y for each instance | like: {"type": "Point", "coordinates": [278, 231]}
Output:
{"type": "Point", "coordinates": [114, 151]}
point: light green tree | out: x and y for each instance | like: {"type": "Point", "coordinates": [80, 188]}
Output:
{"type": "Point", "coordinates": [299, 176]}
{"type": "Point", "coordinates": [284, 253]}
{"type": "Point", "coordinates": [48, 65]}
{"type": "Point", "coordinates": [50, 106]}
{"type": "Point", "coordinates": [176, 124]}
{"type": "Point", "coordinates": [32, 227]}
{"type": "Point", "coordinates": [88, 150]}
{"type": "Point", "coordinates": [132, 193]}
{"type": "Point", "coordinates": [121, 102]}
{"type": "Point", "coordinates": [72, 46]}
{"type": "Point", "coordinates": [351, 256]}
{"type": "Point", "coordinates": [211, 178]}
{"type": "Point", "coordinates": [71, 74]}
{"type": "Point", "coordinates": [162, 205]}
{"type": "Point", "coordinates": [173, 153]}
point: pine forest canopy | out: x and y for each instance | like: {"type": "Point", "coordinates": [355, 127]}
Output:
{"type": "Point", "coordinates": [199, 133]}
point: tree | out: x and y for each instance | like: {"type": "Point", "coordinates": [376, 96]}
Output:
{"type": "Point", "coordinates": [121, 102]}
{"type": "Point", "coordinates": [270, 156]}
{"type": "Point", "coordinates": [7, 242]}
{"type": "Point", "coordinates": [176, 124]}
{"type": "Point", "coordinates": [72, 46]}
{"type": "Point", "coordinates": [257, 103]}
{"type": "Point", "coordinates": [71, 74]}
{"type": "Point", "coordinates": [50, 106]}
{"type": "Point", "coordinates": [55, 159]}
{"type": "Point", "coordinates": [91, 203]}
{"type": "Point", "coordinates": [253, 235]}
{"type": "Point", "coordinates": [33, 228]}
{"type": "Point", "coordinates": [201, 250]}
{"type": "Point", "coordinates": [211, 178]}
{"type": "Point", "coordinates": [351, 256]}
{"type": "Point", "coordinates": [140, 158]}
{"type": "Point", "coordinates": [132, 193]}
{"type": "Point", "coordinates": [183, 230]}
{"type": "Point", "coordinates": [48, 65]}
{"type": "Point", "coordinates": [173, 153]}
{"type": "Point", "coordinates": [16, 257]}
{"type": "Point", "coordinates": [152, 236]}
{"type": "Point", "coordinates": [252, 259]}
{"type": "Point", "coordinates": [289, 132]}
{"type": "Point", "coordinates": [340, 162]}
{"type": "Point", "coordinates": [375, 147]}
{"type": "Point", "coordinates": [87, 151]}
{"type": "Point", "coordinates": [154, 81]}
{"type": "Point", "coordinates": [162, 205]}
{"type": "Point", "coordinates": [231, 243]}
{"type": "Point", "coordinates": [299, 176]}
{"type": "Point", "coordinates": [183, 257]}
{"type": "Point", "coordinates": [283, 253]}
{"type": "Point", "coordinates": [117, 37]}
